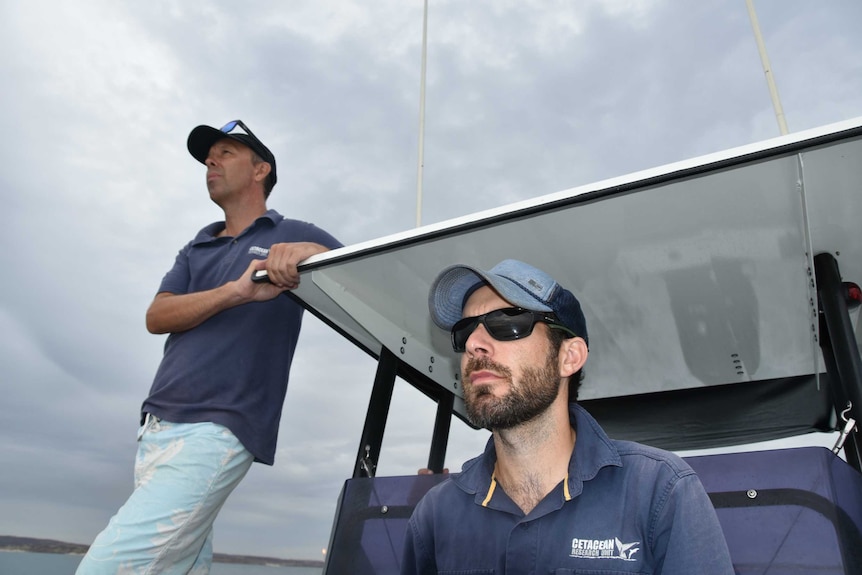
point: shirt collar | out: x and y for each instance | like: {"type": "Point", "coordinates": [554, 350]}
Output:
{"type": "Point", "coordinates": [593, 450]}
{"type": "Point", "coordinates": [209, 232]}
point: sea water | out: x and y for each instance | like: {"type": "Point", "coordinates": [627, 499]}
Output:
{"type": "Point", "coordinates": [23, 563]}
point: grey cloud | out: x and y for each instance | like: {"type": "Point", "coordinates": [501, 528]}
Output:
{"type": "Point", "coordinates": [523, 99]}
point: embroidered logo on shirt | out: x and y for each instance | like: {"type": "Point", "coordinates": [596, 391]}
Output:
{"type": "Point", "coordinates": [258, 251]}
{"type": "Point", "coordinates": [604, 549]}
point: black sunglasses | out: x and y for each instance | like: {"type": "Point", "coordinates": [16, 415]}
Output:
{"type": "Point", "coordinates": [231, 126]}
{"type": "Point", "coordinates": [505, 324]}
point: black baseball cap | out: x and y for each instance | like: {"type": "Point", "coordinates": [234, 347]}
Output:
{"type": "Point", "coordinates": [202, 138]}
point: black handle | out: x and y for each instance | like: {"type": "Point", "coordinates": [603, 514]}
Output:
{"type": "Point", "coordinates": [260, 276]}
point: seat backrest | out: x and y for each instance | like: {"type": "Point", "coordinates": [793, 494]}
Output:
{"type": "Point", "coordinates": [370, 523]}
{"type": "Point", "coordinates": [787, 511]}
{"type": "Point", "coordinates": [782, 511]}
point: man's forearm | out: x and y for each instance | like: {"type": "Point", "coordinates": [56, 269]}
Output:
{"type": "Point", "coordinates": [174, 313]}
{"type": "Point", "coordinates": [171, 313]}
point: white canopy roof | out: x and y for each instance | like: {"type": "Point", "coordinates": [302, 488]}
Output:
{"type": "Point", "coordinates": [694, 274]}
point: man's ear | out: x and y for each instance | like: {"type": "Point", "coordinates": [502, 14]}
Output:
{"type": "Point", "coordinates": [261, 171]}
{"type": "Point", "coordinates": [573, 355]}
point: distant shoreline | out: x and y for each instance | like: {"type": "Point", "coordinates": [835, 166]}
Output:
{"type": "Point", "coordinates": [33, 545]}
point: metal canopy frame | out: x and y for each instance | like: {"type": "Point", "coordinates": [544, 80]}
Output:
{"type": "Point", "coordinates": [840, 348]}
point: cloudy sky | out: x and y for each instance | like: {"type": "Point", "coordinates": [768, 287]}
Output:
{"type": "Point", "coordinates": [524, 98]}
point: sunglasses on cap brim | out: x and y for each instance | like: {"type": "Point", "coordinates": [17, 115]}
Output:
{"type": "Point", "coordinates": [233, 125]}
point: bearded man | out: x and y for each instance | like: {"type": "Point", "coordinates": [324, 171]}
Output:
{"type": "Point", "coordinates": [551, 493]}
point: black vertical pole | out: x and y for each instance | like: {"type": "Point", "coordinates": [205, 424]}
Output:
{"type": "Point", "coordinates": [844, 349]}
{"type": "Point", "coordinates": [375, 418]}
{"type": "Point", "coordinates": [440, 439]}
{"type": "Point", "coordinates": [839, 399]}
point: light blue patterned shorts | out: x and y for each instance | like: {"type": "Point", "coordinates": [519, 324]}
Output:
{"type": "Point", "coordinates": [184, 472]}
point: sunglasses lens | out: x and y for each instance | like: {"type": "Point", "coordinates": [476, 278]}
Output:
{"type": "Point", "coordinates": [461, 332]}
{"type": "Point", "coordinates": [229, 126]}
{"type": "Point", "coordinates": [509, 324]}
{"type": "Point", "coordinates": [502, 324]}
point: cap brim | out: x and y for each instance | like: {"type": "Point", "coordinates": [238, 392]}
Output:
{"type": "Point", "coordinates": [201, 139]}
{"type": "Point", "coordinates": [446, 297]}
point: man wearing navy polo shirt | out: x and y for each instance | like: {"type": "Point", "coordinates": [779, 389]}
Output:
{"type": "Point", "coordinates": [551, 493]}
{"type": "Point", "coordinates": [215, 404]}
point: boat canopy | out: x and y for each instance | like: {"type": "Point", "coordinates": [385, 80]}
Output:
{"type": "Point", "coordinates": [701, 282]}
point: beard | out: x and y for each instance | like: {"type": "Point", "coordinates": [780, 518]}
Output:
{"type": "Point", "coordinates": [535, 392]}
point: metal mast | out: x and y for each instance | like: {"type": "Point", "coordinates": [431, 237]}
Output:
{"type": "Point", "coordinates": [764, 59]}
{"type": "Point", "coordinates": [422, 119]}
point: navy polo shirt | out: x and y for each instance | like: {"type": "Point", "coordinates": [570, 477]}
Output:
{"type": "Point", "coordinates": [624, 508]}
{"type": "Point", "coordinates": [233, 368]}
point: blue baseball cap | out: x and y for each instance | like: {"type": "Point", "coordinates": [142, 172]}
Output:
{"type": "Point", "coordinates": [518, 283]}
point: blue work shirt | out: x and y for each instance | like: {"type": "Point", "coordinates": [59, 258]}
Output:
{"type": "Point", "coordinates": [624, 508]}
{"type": "Point", "coordinates": [233, 368]}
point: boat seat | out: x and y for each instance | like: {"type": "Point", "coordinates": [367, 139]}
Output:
{"type": "Point", "coordinates": [782, 511]}
{"type": "Point", "coordinates": [371, 521]}
{"type": "Point", "coordinates": [787, 511]}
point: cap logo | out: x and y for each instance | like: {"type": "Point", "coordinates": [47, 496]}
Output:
{"type": "Point", "coordinates": [536, 285]}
